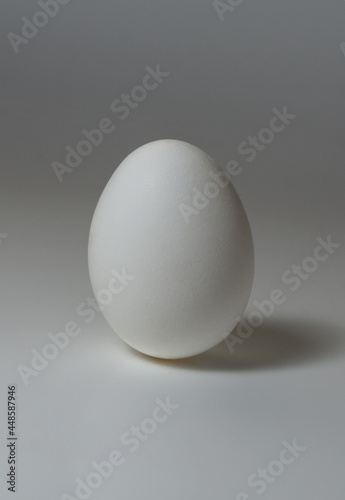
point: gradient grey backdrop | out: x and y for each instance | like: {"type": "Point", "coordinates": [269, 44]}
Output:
{"type": "Point", "coordinates": [287, 380]}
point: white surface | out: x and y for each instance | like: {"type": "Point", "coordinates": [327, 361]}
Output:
{"type": "Point", "coordinates": [170, 251]}
{"type": "Point", "coordinates": [286, 380]}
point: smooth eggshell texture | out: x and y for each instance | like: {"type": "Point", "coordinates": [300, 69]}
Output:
{"type": "Point", "coordinates": [171, 269]}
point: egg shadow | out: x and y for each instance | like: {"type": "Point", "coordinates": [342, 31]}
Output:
{"type": "Point", "coordinates": [278, 343]}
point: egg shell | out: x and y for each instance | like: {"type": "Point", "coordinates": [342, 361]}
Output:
{"type": "Point", "coordinates": [171, 256]}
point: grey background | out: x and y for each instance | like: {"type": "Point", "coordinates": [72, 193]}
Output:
{"type": "Point", "coordinates": [284, 382]}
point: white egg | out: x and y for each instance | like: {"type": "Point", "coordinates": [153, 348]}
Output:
{"type": "Point", "coordinates": [171, 255]}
